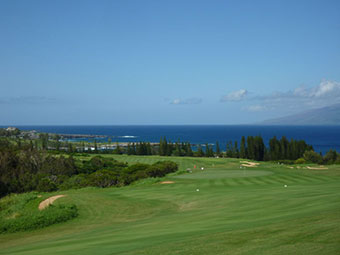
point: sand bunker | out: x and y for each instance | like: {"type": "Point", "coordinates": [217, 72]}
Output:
{"type": "Point", "coordinates": [49, 201]}
{"type": "Point", "coordinates": [317, 168]}
{"type": "Point", "coordinates": [249, 164]}
{"type": "Point", "coordinates": [167, 182]}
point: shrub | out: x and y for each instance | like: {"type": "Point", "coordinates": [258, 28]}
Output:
{"type": "Point", "coordinates": [312, 157]}
{"type": "Point", "coordinates": [75, 182]}
{"type": "Point", "coordinates": [300, 161]}
{"type": "Point", "coordinates": [330, 157]}
{"type": "Point", "coordinates": [39, 219]}
{"type": "Point", "coordinates": [161, 168]}
{"type": "Point", "coordinates": [104, 178]}
{"type": "Point", "coordinates": [46, 185]}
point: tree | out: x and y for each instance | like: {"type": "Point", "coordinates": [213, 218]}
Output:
{"type": "Point", "coordinates": [31, 146]}
{"type": "Point", "coordinates": [330, 157]}
{"type": "Point", "coordinates": [250, 147]}
{"type": "Point", "coordinates": [218, 151]}
{"type": "Point", "coordinates": [95, 146]}
{"type": "Point", "coordinates": [284, 145]}
{"type": "Point", "coordinates": [207, 150]}
{"type": "Point", "coordinates": [243, 148]}
{"type": "Point", "coordinates": [44, 140]}
{"type": "Point", "coordinates": [163, 147]}
{"type": "Point", "coordinates": [177, 151]}
{"type": "Point", "coordinates": [259, 148]}
{"type": "Point", "coordinates": [199, 152]}
{"type": "Point", "coordinates": [117, 150]}
{"type": "Point", "coordinates": [70, 148]}
{"type": "Point", "coordinates": [129, 151]}
{"type": "Point", "coordinates": [188, 151]}
{"type": "Point", "coordinates": [148, 149]}
{"type": "Point", "coordinates": [133, 149]}
{"type": "Point", "coordinates": [236, 153]}
{"type": "Point", "coordinates": [229, 149]}
{"type": "Point", "coordinates": [274, 148]}
{"type": "Point", "coordinates": [57, 142]}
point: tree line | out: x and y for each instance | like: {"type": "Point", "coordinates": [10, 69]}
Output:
{"type": "Point", "coordinates": [251, 147]}
{"type": "Point", "coordinates": [25, 168]}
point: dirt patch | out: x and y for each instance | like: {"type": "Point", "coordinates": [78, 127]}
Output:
{"type": "Point", "coordinates": [167, 182]}
{"type": "Point", "coordinates": [49, 201]}
{"type": "Point", "coordinates": [317, 168]}
{"type": "Point", "coordinates": [249, 164]}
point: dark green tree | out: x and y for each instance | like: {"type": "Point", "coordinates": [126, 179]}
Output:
{"type": "Point", "coordinates": [229, 149]}
{"type": "Point", "coordinates": [243, 148]}
{"type": "Point", "coordinates": [188, 151]}
{"type": "Point", "coordinates": [218, 150]}
{"type": "Point", "coordinates": [199, 152]}
{"type": "Point", "coordinates": [95, 146]}
{"type": "Point", "coordinates": [236, 153]}
{"type": "Point", "coordinates": [117, 150]}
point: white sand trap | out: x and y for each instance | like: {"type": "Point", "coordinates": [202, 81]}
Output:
{"type": "Point", "coordinates": [317, 168]}
{"type": "Point", "coordinates": [167, 182]}
{"type": "Point", "coordinates": [249, 164]}
{"type": "Point", "coordinates": [49, 201]}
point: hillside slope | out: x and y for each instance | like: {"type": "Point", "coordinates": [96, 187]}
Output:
{"type": "Point", "coordinates": [329, 115]}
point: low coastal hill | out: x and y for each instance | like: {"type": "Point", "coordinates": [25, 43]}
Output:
{"type": "Point", "coordinates": [329, 115]}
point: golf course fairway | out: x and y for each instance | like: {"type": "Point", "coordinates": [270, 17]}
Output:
{"type": "Point", "coordinates": [225, 208]}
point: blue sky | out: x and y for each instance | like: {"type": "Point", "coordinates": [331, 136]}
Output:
{"type": "Point", "coordinates": [166, 62]}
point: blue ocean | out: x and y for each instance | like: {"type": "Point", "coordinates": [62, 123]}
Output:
{"type": "Point", "coordinates": [322, 138]}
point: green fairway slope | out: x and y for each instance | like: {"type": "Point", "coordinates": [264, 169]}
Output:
{"type": "Point", "coordinates": [223, 209]}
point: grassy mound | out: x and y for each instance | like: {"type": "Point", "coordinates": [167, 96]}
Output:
{"type": "Point", "coordinates": [20, 213]}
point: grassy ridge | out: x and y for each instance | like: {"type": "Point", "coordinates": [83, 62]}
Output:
{"type": "Point", "coordinates": [235, 211]}
{"type": "Point", "coordinates": [20, 213]}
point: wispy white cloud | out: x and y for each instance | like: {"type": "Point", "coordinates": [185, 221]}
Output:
{"type": "Point", "coordinates": [27, 100]}
{"type": "Point", "coordinates": [237, 95]}
{"type": "Point", "coordinates": [301, 98]}
{"type": "Point", "coordinates": [329, 89]}
{"type": "Point", "coordinates": [179, 101]}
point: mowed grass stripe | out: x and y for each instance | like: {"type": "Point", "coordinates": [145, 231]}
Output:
{"type": "Point", "coordinates": [307, 178]}
{"type": "Point", "coordinates": [266, 180]}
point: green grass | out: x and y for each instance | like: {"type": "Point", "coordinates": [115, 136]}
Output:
{"type": "Point", "coordinates": [236, 211]}
{"type": "Point", "coordinates": [19, 212]}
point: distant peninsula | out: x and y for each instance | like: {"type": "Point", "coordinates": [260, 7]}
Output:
{"type": "Point", "coordinates": [329, 115]}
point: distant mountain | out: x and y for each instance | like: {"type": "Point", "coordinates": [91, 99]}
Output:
{"type": "Point", "coordinates": [329, 115]}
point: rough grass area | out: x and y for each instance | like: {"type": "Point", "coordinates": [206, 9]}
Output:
{"type": "Point", "coordinates": [225, 209]}
{"type": "Point", "coordinates": [21, 213]}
